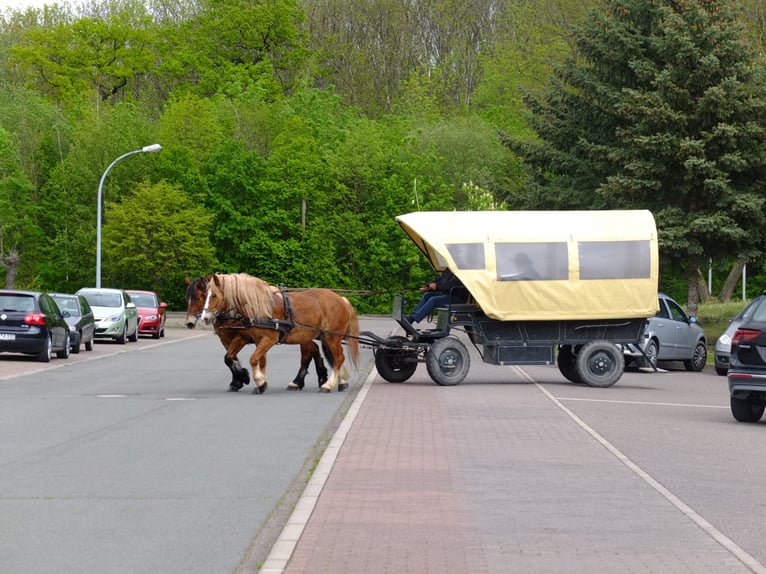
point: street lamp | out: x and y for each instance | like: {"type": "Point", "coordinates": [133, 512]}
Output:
{"type": "Point", "coordinates": [147, 149]}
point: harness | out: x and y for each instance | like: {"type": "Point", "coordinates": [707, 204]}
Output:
{"type": "Point", "coordinates": [284, 326]}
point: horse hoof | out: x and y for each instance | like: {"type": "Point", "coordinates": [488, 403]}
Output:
{"type": "Point", "coordinates": [260, 390]}
{"type": "Point", "coordinates": [342, 386]}
{"type": "Point", "coordinates": [233, 388]}
{"type": "Point", "coordinates": [294, 387]}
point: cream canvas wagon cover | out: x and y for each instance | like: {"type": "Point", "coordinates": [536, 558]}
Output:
{"type": "Point", "coordinates": [546, 265]}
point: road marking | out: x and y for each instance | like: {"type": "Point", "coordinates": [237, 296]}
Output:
{"type": "Point", "coordinates": [746, 559]}
{"type": "Point", "coordinates": [180, 399]}
{"type": "Point", "coordinates": [111, 396]}
{"type": "Point", "coordinates": [642, 403]}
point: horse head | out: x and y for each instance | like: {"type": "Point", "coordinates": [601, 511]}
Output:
{"type": "Point", "coordinates": [195, 299]}
{"type": "Point", "coordinates": [215, 299]}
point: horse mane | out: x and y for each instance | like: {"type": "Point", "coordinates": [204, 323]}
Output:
{"type": "Point", "coordinates": [249, 295]}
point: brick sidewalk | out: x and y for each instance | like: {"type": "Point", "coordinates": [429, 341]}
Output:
{"type": "Point", "coordinates": [490, 476]}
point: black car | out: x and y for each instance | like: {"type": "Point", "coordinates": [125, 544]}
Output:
{"type": "Point", "coordinates": [747, 366]}
{"type": "Point", "coordinates": [79, 317]}
{"type": "Point", "coordinates": [31, 323]}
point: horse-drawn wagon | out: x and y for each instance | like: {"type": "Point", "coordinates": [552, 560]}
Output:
{"type": "Point", "coordinates": [545, 286]}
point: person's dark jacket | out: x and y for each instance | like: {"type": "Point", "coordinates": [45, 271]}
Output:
{"type": "Point", "coordinates": [448, 282]}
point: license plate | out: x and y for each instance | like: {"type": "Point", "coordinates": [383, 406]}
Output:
{"type": "Point", "coordinates": [7, 337]}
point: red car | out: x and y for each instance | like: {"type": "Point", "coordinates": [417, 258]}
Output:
{"type": "Point", "coordinates": [151, 312]}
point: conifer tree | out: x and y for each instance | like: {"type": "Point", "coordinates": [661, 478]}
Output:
{"type": "Point", "coordinates": [661, 107]}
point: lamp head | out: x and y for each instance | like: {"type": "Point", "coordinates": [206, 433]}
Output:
{"type": "Point", "coordinates": [151, 148]}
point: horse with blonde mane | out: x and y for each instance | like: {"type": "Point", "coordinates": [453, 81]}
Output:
{"type": "Point", "coordinates": [234, 337]}
{"type": "Point", "coordinates": [298, 318]}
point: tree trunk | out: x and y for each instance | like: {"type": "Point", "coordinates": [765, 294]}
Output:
{"type": "Point", "coordinates": [692, 295]}
{"type": "Point", "coordinates": [11, 264]}
{"type": "Point", "coordinates": [702, 289]}
{"type": "Point", "coordinates": [727, 291]}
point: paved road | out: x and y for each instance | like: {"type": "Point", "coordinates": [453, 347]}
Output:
{"type": "Point", "coordinates": [134, 458]}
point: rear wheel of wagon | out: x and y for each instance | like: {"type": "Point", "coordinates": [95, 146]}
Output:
{"type": "Point", "coordinates": [566, 363]}
{"type": "Point", "coordinates": [396, 365]}
{"type": "Point", "coordinates": [600, 364]}
{"type": "Point", "coordinates": [448, 361]}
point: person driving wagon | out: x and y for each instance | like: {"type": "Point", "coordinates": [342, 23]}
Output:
{"type": "Point", "coordinates": [440, 292]}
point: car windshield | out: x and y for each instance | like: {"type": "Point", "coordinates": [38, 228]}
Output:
{"type": "Point", "coordinates": [18, 303]}
{"type": "Point", "coordinates": [143, 299]}
{"type": "Point", "coordinates": [68, 304]}
{"type": "Point", "coordinates": [104, 299]}
{"type": "Point", "coordinates": [759, 312]}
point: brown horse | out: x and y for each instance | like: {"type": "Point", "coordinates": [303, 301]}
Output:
{"type": "Point", "coordinates": [300, 317]}
{"type": "Point", "coordinates": [233, 335]}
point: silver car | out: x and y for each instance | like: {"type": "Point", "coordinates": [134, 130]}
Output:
{"type": "Point", "coordinates": [116, 315]}
{"type": "Point", "coordinates": [723, 344]}
{"type": "Point", "coordinates": [671, 335]}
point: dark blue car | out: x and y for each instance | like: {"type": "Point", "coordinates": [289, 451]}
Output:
{"type": "Point", "coordinates": [31, 323]}
{"type": "Point", "coordinates": [747, 366]}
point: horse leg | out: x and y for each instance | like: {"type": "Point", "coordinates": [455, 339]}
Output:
{"type": "Point", "coordinates": [343, 381]}
{"type": "Point", "coordinates": [308, 351]}
{"type": "Point", "coordinates": [333, 344]}
{"type": "Point", "coordinates": [322, 374]}
{"type": "Point", "coordinates": [239, 374]}
{"type": "Point", "coordinates": [258, 364]}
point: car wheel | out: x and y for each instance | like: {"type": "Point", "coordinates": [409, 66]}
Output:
{"type": "Point", "coordinates": [162, 331]}
{"type": "Point", "coordinates": [134, 337]}
{"type": "Point", "coordinates": [747, 410]}
{"type": "Point", "coordinates": [76, 348]}
{"type": "Point", "coordinates": [723, 371]}
{"type": "Point", "coordinates": [89, 345]}
{"type": "Point", "coordinates": [64, 353]}
{"type": "Point", "coordinates": [122, 339]}
{"type": "Point", "coordinates": [44, 356]}
{"type": "Point", "coordinates": [600, 364]}
{"type": "Point", "coordinates": [699, 360]}
{"type": "Point", "coordinates": [651, 355]}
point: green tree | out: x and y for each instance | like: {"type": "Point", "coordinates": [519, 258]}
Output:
{"type": "Point", "coordinates": [154, 237]}
{"type": "Point", "coordinates": [661, 108]}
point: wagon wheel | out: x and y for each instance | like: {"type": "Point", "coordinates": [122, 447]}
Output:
{"type": "Point", "coordinates": [396, 365]}
{"type": "Point", "coordinates": [566, 363]}
{"type": "Point", "coordinates": [600, 364]}
{"type": "Point", "coordinates": [448, 361]}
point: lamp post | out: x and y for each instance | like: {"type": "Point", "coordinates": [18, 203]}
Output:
{"type": "Point", "coordinates": [147, 149]}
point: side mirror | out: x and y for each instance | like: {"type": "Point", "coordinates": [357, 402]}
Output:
{"type": "Point", "coordinates": [130, 305]}
{"type": "Point", "coordinates": [66, 314]}
{"type": "Point", "coordinates": [163, 305]}
{"type": "Point", "coordinates": [692, 319]}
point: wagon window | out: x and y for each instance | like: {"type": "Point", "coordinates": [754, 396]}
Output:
{"type": "Point", "coordinates": [467, 255]}
{"type": "Point", "coordinates": [615, 259]}
{"type": "Point", "coordinates": [532, 261]}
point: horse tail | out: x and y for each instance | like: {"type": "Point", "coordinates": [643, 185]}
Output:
{"type": "Point", "coordinates": [352, 334]}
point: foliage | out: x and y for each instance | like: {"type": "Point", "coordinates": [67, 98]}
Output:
{"type": "Point", "coordinates": [662, 108]}
{"type": "Point", "coordinates": [154, 237]}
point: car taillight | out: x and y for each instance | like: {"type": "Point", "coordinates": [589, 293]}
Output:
{"type": "Point", "coordinates": [745, 336]}
{"type": "Point", "coordinates": [34, 319]}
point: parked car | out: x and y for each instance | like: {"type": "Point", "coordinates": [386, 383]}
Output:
{"type": "Point", "coordinates": [79, 317]}
{"type": "Point", "coordinates": [671, 335]}
{"type": "Point", "coordinates": [31, 323]}
{"type": "Point", "coordinates": [151, 312]}
{"type": "Point", "coordinates": [723, 344]}
{"type": "Point", "coordinates": [115, 313]}
{"type": "Point", "coordinates": [747, 366]}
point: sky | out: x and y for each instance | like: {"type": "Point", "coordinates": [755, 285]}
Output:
{"type": "Point", "coordinates": [22, 4]}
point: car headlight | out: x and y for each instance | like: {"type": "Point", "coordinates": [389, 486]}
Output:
{"type": "Point", "coordinates": [113, 318]}
{"type": "Point", "coordinates": [72, 329]}
{"type": "Point", "coordinates": [724, 340]}
{"type": "Point", "coordinates": [151, 318]}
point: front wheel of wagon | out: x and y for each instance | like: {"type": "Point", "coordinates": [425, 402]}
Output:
{"type": "Point", "coordinates": [448, 361]}
{"type": "Point", "coordinates": [600, 364]}
{"type": "Point", "coordinates": [396, 365]}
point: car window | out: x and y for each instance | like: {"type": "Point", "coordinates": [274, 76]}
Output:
{"type": "Point", "coordinates": [758, 313]}
{"type": "Point", "coordinates": [745, 313]}
{"type": "Point", "coordinates": [663, 312]}
{"type": "Point", "coordinates": [84, 305]}
{"type": "Point", "coordinates": [104, 299]}
{"type": "Point", "coordinates": [18, 303]}
{"type": "Point", "coordinates": [143, 300]}
{"type": "Point", "coordinates": [676, 313]}
{"type": "Point", "coordinates": [68, 304]}
{"type": "Point", "coordinates": [48, 306]}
